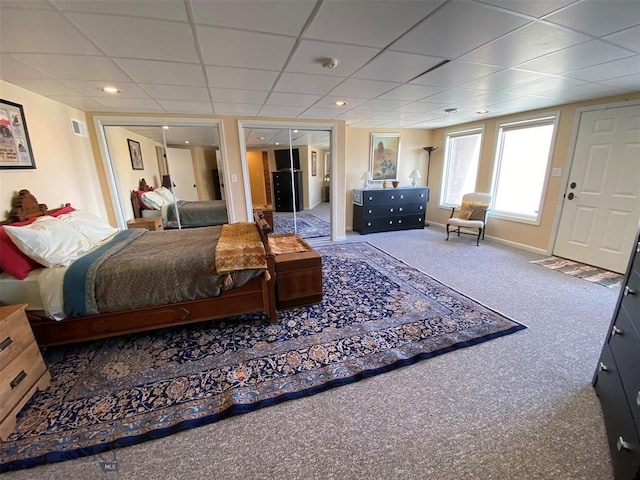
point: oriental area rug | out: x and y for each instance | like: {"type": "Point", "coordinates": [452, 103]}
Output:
{"type": "Point", "coordinates": [308, 225]}
{"type": "Point", "coordinates": [580, 270]}
{"type": "Point", "coordinates": [378, 314]}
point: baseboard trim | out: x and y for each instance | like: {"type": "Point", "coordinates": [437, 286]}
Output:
{"type": "Point", "coordinates": [502, 241]}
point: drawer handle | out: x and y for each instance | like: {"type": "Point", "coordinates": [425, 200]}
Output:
{"type": "Point", "coordinates": [16, 381]}
{"type": "Point", "coordinates": [391, 210]}
{"type": "Point", "coordinates": [629, 291]}
{"type": "Point", "coordinates": [400, 209]}
{"type": "Point", "coordinates": [623, 445]}
{"type": "Point", "coordinates": [602, 367]}
{"type": "Point", "coordinates": [401, 196]}
{"type": "Point", "coordinates": [615, 331]}
{"type": "Point", "coordinates": [638, 398]}
{"type": "Point", "coordinates": [7, 341]}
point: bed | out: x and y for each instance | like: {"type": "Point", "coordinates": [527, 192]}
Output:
{"type": "Point", "coordinates": [235, 291]}
{"type": "Point", "coordinates": [152, 202]}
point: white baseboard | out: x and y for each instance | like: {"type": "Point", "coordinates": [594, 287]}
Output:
{"type": "Point", "coordinates": [521, 246]}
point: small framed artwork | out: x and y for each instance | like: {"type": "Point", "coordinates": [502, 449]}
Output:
{"type": "Point", "coordinates": [136, 154]}
{"type": "Point", "coordinates": [314, 164]}
{"type": "Point", "coordinates": [385, 151]}
{"type": "Point", "coordinates": [15, 146]}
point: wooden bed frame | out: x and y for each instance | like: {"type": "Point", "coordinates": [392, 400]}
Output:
{"type": "Point", "coordinates": [257, 295]}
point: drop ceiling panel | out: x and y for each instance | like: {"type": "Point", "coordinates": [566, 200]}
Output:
{"type": "Point", "coordinates": [308, 55]}
{"type": "Point", "coordinates": [47, 87]}
{"type": "Point", "coordinates": [355, 87]}
{"type": "Point", "coordinates": [85, 104]}
{"type": "Point", "coordinates": [605, 71]}
{"type": "Point", "coordinates": [505, 79]}
{"type": "Point", "coordinates": [243, 78]}
{"type": "Point", "coordinates": [91, 88]}
{"type": "Point", "coordinates": [629, 38]}
{"type": "Point", "coordinates": [367, 23]}
{"type": "Point", "coordinates": [455, 73]}
{"type": "Point", "coordinates": [292, 99]}
{"type": "Point", "coordinates": [173, 92]}
{"type": "Point", "coordinates": [397, 66]}
{"type": "Point", "coordinates": [48, 32]}
{"type": "Point", "coordinates": [182, 106]}
{"type": "Point", "coordinates": [130, 104]}
{"type": "Point", "coordinates": [244, 49]}
{"type": "Point", "coordinates": [281, 111]}
{"type": "Point", "coordinates": [274, 16]}
{"type": "Point", "coordinates": [13, 68]}
{"type": "Point", "coordinates": [160, 72]}
{"type": "Point", "coordinates": [599, 18]}
{"type": "Point", "coordinates": [305, 83]}
{"type": "Point", "coordinates": [131, 37]}
{"type": "Point", "coordinates": [457, 28]}
{"type": "Point", "coordinates": [230, 95]}
{"type": "Point", "coordinates": [535, 8]}
{"type": "Point", "coordinates": [525, 44]}
{"type": "Point", "coordinates": [223, 108]}
{"type": "Point", "coordinates": [578, 56]}
{"type": "Point", "coordinates": [410, 92]}
{"type": "Point", "coordinates": [68, 67]}
{"type": "Point", "coordinates": [139, 8]}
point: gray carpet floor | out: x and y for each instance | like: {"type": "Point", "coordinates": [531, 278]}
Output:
{"type": "Point", "coordinates": [517, 407]}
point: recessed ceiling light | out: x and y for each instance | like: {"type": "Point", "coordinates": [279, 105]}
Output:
{"type": "Point", "coordinates": [482, 112]}
{"type": "Point", "coordinates": [449, 111]}
{"type": "Point", "coordinates": [296, 131]}
{"type": "Point", "coordinates": [261, 138]}
{"type": "Point", "coordinates": [111, 90]}
{"type": "Point", "coordinates": [340, 103]}
{"type": "Point", "coordinates": [277, 143]}
{"type": "Point", "coordinates": [186, 141]}
{"type": "Point", "coordinates": [166, 127]}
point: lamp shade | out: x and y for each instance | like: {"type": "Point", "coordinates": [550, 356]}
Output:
{"type": "Point", "coordinates": [415, 174]}
{"type": "Point", "coordinates": [366, 176]}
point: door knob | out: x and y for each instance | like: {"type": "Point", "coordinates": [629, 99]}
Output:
{"type": "Point", "coordinates": [571, 196]}
{"type": "Point", "coordinates": [573, 185]}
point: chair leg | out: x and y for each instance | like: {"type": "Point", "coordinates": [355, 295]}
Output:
{"type": "Point", "coordinates": [447, 233]}
{"type": "Point", "coordinates": [458, 231]}
{"type": "Point", "coordinates": [478, 239]}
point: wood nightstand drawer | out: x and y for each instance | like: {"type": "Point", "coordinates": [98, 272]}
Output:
{"type": "Point", "coordinates": [19, 376]}
{"type": "Point", "coordinates": [152, 224]}
{"type": "Point", "coordinates": [15, 337]}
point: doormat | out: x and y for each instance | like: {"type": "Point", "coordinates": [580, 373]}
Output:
{"type": "Point", "coordinates": [586, 272]}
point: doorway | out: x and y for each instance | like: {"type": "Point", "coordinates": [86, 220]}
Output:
{"type": "Point", "coordinates": [601, 207]}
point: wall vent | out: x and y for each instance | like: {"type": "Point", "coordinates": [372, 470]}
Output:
{"type": "Point", "coordinates": [79, 128]}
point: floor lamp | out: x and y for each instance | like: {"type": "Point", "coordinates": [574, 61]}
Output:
{"type": "Point", "coordinates": [429, 150]}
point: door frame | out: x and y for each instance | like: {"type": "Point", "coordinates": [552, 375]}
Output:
{"type": "Point", "coordinates": [330, 127]}
{"type": "Point", "coordinates": [553, 237]}
{"type": "Point", "coordinates": [102, 121]}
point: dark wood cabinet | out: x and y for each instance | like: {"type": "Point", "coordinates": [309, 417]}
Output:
{"type": "Point", "coordinates": [283, 191]}
{"type": "Point", "coordinates": [617, 377]}
{"type": "Point", "coordinates": [387, 209]}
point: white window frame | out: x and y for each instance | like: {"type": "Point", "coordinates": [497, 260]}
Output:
{"type": "Point", "coordinates": [472, 130]}
{"type": "Point", "coordinates": [551, 118]}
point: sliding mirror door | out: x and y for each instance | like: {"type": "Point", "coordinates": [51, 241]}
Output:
{"type": "Point", "coordinates": [287, 174]}
{"type": "Point", "coordinates": [184, 159]}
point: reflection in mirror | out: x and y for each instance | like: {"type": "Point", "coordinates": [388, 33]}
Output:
{"type": "Point", "coordinates": [289, 177]}
{"type": "Point", "coordinates": [173, 173]}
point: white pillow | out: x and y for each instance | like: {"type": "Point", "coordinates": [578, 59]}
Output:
{"type": "Point", "coordinates": [49, 242]}
{"type": "Point", "coordinates": [166, 194]}
{"type": "Point", "coordinates": [153, 200]}
{"type": "Point", "coordinates": [91, 226]}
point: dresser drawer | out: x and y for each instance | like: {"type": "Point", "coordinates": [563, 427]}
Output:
{"type": "Point", "coordinates": [15, 335]}
{"type": "Point", "coordinates": [400, 222]}
{"type": "Point", "coordinates": [621, 432]}
{"type": "Point", "coordinates": [625, 347]}
{"type": "Point", "coordinates": [19, 376]}
{"type": "Point", "coordinates": [630, 300]}
{"type": "Point", "coordinates": [393, 196]}
{"type": "Point", "coordinates": [385, 210]}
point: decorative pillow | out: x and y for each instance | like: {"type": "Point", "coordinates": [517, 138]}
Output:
{"type": "Point", "coordinates": [91, 226]}
{"type": "Point", "coordinates": [152, 200]}
{"type": "Point", "coordinates": [467, 210]}
{"type": "Point", "coordinates": [50, 242]}
{"type": "Point", "coordinates": [166, 194]}
{"type": "Point", "coordinates": [12, 260]}
{"type": "Point", "coordinates": [477, 213]}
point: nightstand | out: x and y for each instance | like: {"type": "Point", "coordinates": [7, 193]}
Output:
{"type": "Point", "coordinates": [150, 223]}
{"type": "Point", "coordinates": [22, 369]}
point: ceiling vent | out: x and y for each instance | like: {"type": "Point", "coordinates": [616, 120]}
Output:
{"type": "Point", "coordinates": [79, 128]}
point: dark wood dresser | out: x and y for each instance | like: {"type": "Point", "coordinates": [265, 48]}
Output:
{"type": "Point", "coordinates": [617, 377]}
{"type": "Point", "coordinates": [283, 199]}
{"type": "Point", "coordinates": [387, 209]}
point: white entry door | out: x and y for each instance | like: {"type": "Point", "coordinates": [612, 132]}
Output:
{"type": "Point", "coordinates": [601, 207]}
{"type": "Point", "coordinates": [180, 165]}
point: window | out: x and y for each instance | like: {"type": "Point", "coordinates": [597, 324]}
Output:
{"type": "Point", "coordinates": [461, 158]}
{"type": "Point", "coordinates": [522, 161]}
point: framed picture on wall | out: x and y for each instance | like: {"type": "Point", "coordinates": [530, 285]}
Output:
{"type": "Point", "coordinates": [314, 164]}
{"type": "Point", "coordinates": [136, 154]}
{"type": "Point", "coordinates": [385, 151]}
{"type": "Point", "coordinates": [15, 146]}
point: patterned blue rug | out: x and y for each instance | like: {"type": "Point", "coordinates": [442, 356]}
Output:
{"type": "Point", "coordinates": [309, 226]}
{"type": "Point", "coordinates": [378, 314]}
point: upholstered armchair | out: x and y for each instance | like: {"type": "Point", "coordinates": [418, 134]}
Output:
{"type": "Point", "coordinates": [471, 217]}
